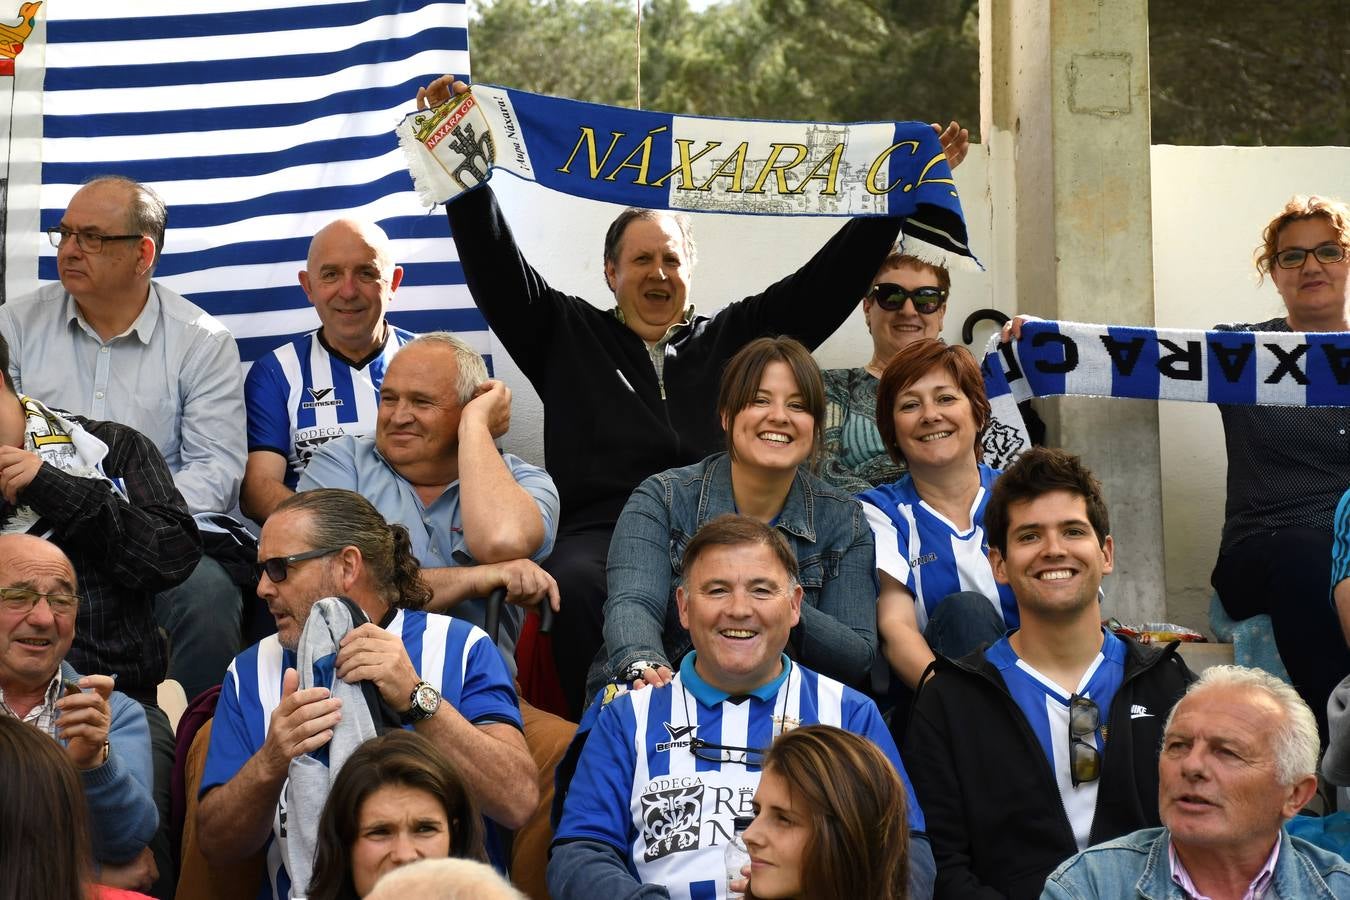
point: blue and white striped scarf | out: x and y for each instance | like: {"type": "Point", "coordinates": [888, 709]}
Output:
{"type": "Point", "coordinates": [1235, 367]}
{"type": "Point", "coordinates": [692, 163]}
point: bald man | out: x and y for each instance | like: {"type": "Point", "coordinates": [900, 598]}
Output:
{"type": "Point", "coordinates": [104, 733]}
{"type": "Point", "coordinates": [324, 384]}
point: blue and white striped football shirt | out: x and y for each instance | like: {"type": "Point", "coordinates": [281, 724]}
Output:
{"type": "Point", "coordinates": [454, 656]}
{"type": "Point", "coordinates": [639, 788]}
{"type": "Point", "coordinates": [302, 395]}
{"type": "Point", "coordinates": [927, 553]}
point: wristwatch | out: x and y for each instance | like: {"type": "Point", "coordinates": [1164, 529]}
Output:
{"type": "Point", "coordinates": [635, 670]}
{"type": "Point", "coordinates": [422, 704]}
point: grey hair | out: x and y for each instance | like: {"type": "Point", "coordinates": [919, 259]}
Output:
{"type": "Point", "coordinates": [472, 369]}
{"type": "Point", "coordinates": [1295, 741]}
{"type": "Point", "coordinates": [447, 878]}
{"type": "Point", "coordinates": [147, 215]}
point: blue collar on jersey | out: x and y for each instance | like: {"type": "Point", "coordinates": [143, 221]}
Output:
{"type": "Point", "coordinates": [708, 695]}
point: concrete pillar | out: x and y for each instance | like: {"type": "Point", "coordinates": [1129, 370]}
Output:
{"type": "Point", "coordinates": [1064, 111]}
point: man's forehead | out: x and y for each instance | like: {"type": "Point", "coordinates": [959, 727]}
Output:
{"type": "Point", "coordinates": [346, 240]}
{"type": "Point", "coordinates": [741, 563]}
{"type": "Point", "coordinates": [102, 203]}
{"type": "Point", "coordinates": [1234, 714]}
{"type": "Point", "coordinates": [24, 558]}
{"type": "Point", "coordinates": [286, 529]}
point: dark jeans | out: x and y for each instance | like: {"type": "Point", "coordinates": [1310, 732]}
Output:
{"type": "Point", "coordinates": [1287, 575]}
{"type": "Point", "coordinates": [578, 564]}
{"type": "Point", "coordinates": [962, 623]}
{"type": "Point", "coordinates": [161, 751]}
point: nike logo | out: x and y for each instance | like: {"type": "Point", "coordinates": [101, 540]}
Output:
{"type": "Point", "coordinates": [1138, 711]}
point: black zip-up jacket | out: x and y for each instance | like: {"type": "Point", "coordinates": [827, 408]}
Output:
{"type": "Point", "coordinates": [606, 424]}
{"type": "Point", "coordinates": [988, 793]}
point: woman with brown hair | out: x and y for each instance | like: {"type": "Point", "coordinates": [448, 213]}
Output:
{"type": "Point", "coordinates": [937, 588]}
{"type": "Point", "coordinates": [830, 821]}
{"type": "Point", "coordinates": [44, 830]}
{"type": "Point", "coordinates": [395, 801]}
{"type": "Point", "coordinates": [771, 404]}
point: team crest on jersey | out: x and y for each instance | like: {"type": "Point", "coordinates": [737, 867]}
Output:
{"type": "Point", "coordinates": [670, 819]}
{"type": "Point", "coordinates": [611, 692]}
{"type": "Point", "coordinates": [320, 397]}
{"type": "Point", "coordinates": [680, 736]}
{"type": "Point", "coordinates": [785, 723]}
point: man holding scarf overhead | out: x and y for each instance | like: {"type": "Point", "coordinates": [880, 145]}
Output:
{"type": "Point", "coordinates": [630, 391]}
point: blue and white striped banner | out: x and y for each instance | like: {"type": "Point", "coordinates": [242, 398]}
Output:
{"type": "Point", "coordinates": [258, 123]}
{"type": "Point", "coordinates": [1237, 367]}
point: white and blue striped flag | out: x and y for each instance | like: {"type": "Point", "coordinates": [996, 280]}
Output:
{"type": "Point", "coordinates": [257, 122]}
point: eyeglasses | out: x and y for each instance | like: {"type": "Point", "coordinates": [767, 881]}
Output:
{"type": "Point", "coordinates": [1293, 257]}
{"type": "Point", "coordinates": [279, 566]}
{"type": "Point", "coordinates": [22, 600]}
{"type": "Point", "coordinates": [89, 241]}
{"type": "Point", "coordinates": [726, 753]}
{"type": "Point", "coordinates": [1085, 760]}
{"type": "Point", "coordinates": [890, 297]}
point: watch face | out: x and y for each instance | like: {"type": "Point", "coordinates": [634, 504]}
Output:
{"type": "Point", "coordinates": [426, 698]}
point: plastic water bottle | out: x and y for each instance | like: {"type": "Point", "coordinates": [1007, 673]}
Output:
{"type": "Point", "coordinates": [736, 855]}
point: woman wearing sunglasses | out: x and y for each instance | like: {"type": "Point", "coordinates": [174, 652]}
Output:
{"type": "Point", "coordinates": [937, 588]}
{"type": "Point", "coordinates": [906, 303]}
{"type": "Point", "coordinates": [771, 403]}
{"type": "Point", "coordinates": [1288, 466]}
{"type": "Point", "coordinates": [829, 821]}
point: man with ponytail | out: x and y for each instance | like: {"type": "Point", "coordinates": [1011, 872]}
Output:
{"type": "Point", "coordinates": [441, 674]}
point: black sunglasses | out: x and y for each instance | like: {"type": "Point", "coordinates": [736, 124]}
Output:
{"type": "Point", "coordinates": [1085, 760]}
{"type": "Point", "coordinates": [890, 297]}
{"type": "Point", "coordinates": [278, 566]}
{"type": "Point", "coordinates": [726, 753]}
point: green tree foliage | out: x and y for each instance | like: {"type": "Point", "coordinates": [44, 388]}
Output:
{"type": "Point", "coordinates": [818, 60]}
{"type": "Point", "coordinates": [1245, 72]}
{"type": "Point", "coordinates": [1250, 72]}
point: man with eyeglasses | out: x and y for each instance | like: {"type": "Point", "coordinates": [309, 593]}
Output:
{"type": "Point", "coordinates": [1239, 760]}
{"type": "Point", "coordinates": [661, 773]}
{"type": "Point", "coordinates": [111, 343]}
{"type": "Point", "coordinates": [480, 519]}
{"type": "Point", "coordinates": [1031, 749]}
{"type": "Point", "coordinates": [102, 493]}
{"type": "Point", "coordinates": [324, 384]}
{"type": "Point", "coordinates": [442, 675]}
{"type": "Point", "coordinates": [104, 732]}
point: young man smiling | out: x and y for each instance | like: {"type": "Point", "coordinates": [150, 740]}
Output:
{"type": "Point", "coordinates": [1027, 751]}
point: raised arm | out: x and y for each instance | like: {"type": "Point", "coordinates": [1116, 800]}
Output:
{"type": "Point", "coordinates": [501, 519]}
{"type": "Point", "coordinates": [146, 540]}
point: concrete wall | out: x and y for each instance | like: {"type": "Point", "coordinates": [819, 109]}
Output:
{"type": "Point", "coordinates": [1209, 206]}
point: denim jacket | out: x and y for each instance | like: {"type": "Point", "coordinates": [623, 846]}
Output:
{"type": "Point", "coordinates": [836, 558]}
{"type": "Point", "coordinates": [1136, 867]}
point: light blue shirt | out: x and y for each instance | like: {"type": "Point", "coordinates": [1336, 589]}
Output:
{"type": "Point", "coordinates": [437, 530]}
{"type": "Point", "coordinates": [174, 376]}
